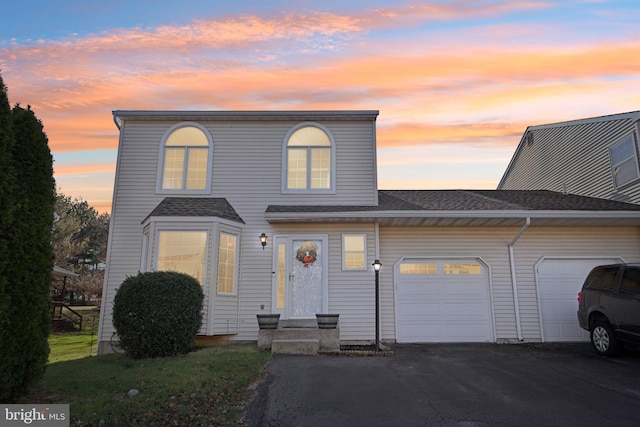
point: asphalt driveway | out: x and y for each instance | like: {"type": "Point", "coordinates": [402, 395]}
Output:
{"type": "Point", "coordinates": [452, 385]}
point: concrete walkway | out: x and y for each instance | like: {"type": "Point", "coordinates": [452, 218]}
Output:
{"type": "Point", "coordinates": [452, 385]}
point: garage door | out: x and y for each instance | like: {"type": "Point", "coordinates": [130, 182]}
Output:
{"type": "Point", "coordinates": [442, 301]}
{"type": "Point", "coordinates": [559, 281]}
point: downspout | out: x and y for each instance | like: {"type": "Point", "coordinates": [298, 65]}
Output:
{"type": "Point", "coordinates": [514, 283]}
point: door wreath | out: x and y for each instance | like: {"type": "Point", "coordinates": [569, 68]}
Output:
{"type": "Point", "coordinates": [307, 253]}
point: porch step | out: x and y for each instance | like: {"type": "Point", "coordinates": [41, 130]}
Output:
{"type": "Point", "coordinates": [295, 346]}
{"type": "Point", "coordinates": [298, 323]}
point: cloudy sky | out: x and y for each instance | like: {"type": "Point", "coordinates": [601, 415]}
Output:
{"type": "Point", "coordinates": [456, 82]}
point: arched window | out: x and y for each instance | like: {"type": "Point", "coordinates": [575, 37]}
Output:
{"type": "Point", "coordinates": [309, 159]}
{"type": "Point", "coordinates": [185, 159]}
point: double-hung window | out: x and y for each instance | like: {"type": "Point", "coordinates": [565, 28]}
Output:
{"type": "Point", "coordinates": [354, 251]}
{"type": "Point", "coordinates": [624, 161]}
{"type": "Point", "coordinates": [309, 159]}
{"type": "Point", "coordinates": [185, 159]}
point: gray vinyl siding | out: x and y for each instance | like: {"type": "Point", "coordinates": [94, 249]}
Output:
{"type": "Point", "coordinates": [351, 293]}
{"type": "Point", "coordinates": [569, 242]}
{"type": "Point", "coordinates": [488, 243]}
{"type": "Point", "coordinates": [491, 245]}
{"type": "Point", "coordinates": [247, 171]}
{"type": "Point", "coordinates": [572, 158]}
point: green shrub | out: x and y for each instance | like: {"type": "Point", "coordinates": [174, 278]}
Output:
{"type": "Point", "coordinates": [26, 254]}
{"type": "Point", "coordinates": [158, 314]}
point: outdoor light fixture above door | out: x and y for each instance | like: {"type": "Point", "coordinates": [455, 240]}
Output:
{"type": "Point", "coordinates": [263, 240]}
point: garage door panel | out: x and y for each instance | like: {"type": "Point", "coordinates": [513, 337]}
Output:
{"type": "Point", "coordinates": [420, 310]}
{"type": "Point", "coordinates": [559, 281]}
{"type": "Point", "coordinates": [466, 332]}
{"type": "Point", "coordinates": [465, 310]}
{"type": "Point", "coordinates": [438, 307]}
{"type": "Point", "coordinates": [465, 289]}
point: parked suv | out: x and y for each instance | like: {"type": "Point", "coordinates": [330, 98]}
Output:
{"type": "Point", "coordinates": [609, 307]}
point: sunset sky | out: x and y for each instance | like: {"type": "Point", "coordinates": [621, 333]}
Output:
{"type": "Point", "coordinates": [456, 82]}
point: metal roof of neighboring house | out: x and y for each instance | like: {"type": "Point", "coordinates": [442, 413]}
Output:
{"type": "Point", "coordinates": [196, 207]}
{"type": "Point", "coordinates": [63, 272]}
{"type": "Point", "coordinates": [633, 115]}
{"type": "Point", "coordinates": [467, 207]}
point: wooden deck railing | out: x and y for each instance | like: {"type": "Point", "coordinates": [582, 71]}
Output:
{"type": "Point", "coordinates": [61, 312]}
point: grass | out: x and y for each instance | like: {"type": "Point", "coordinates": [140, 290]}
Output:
{"type": "Point", "coordinates": [209, 386]}
{"type": "Point", "coordinates": [73, 345]}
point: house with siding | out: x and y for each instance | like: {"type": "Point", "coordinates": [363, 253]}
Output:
{"type": "Point", "coordinates": [196, 190]}
{"type": "Point", "coordinates": [596, 157]}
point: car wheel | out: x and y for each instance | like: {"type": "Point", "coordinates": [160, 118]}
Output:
{"type": "Point", "coordinates": [602, 338]}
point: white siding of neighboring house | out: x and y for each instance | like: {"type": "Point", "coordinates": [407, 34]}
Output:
{"type": "Point", "coordinates": [491, 244]}
{"type": "Point", "coordinates": [572, 157]}
{"type": "Point", "coordinates": [247, 170]}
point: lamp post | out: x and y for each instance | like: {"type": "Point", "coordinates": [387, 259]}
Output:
{"type": "Point", "coordinates": [376, 267]}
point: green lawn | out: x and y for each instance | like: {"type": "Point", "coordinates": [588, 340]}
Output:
{"type": "Point", "coordinates": [209, 386]}
{"type": "Point", "coordinates": [76, 344]}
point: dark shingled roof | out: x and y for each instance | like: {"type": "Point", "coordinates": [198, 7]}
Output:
{"type": "Point", "coordinates": [196, 207]}
{"type": "Point", "coordinates": [471, 200]}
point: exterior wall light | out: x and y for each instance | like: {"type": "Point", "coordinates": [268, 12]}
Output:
{"type": "Point", "coordinates": [263, 240]}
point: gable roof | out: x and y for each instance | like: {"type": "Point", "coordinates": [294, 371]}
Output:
{"type": "Point", "coordinates": [195, 207]}
{"type": "Point", "coordinates": [467, 207]}
{"type": "Point", "coordinates": [119, 116]}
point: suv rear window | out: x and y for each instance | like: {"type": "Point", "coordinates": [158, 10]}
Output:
{"type": "Point", "coordinates": [631, 281]}
{"type": "Point", "coordinates": [602, 278]}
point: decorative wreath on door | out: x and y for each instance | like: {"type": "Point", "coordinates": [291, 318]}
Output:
{"type": "Point", "coordinates": [307, 253]}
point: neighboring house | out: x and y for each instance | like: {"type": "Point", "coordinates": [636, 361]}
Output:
{"type": "Point", "coordinates": [195, 190]}
{"type": "Point", "coordinates": [595, 157]}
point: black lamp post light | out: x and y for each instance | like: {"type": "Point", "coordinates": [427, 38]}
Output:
{"type": "Point", "coordinates": [376, 267]}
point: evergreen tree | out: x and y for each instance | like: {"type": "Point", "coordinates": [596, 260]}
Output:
{"type": "Point", "coordinates": [6, 217]}
{"type": "Point", "coordinates": [31, 253]}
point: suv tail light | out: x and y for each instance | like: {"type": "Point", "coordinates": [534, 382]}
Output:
{"type": "Point", "coordinates": [579, 297]}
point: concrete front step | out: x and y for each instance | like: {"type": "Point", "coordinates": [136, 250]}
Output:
{"type": "Point", "coordinates": [298, 323]}
{"type": "Point", "coordinates": [329, 339]}
{"type": "Point", "coordinates": [295, 346]}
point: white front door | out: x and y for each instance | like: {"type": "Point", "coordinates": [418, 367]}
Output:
{"type": "Point", "coordinates": [300, 282]}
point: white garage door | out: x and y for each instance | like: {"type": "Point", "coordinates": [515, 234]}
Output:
{"type": "Point", "coordinates": [559, 281]}
{"type": "Point", "coordinates": [442, 301]}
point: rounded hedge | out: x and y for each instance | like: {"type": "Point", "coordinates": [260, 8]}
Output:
{"type": "Point", "coordinates": [158, 314]}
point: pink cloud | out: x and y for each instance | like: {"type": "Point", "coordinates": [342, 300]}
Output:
{"type": "Point", "coordinates": [453, 91]}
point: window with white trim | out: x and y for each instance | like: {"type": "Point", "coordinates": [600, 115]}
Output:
{"type": "Point", "coordinates": [309, 159]}
{"type": "Point", "coordinates": [185, 159]}
{"type": "Point", "coordinates": [227, 263]}
{"type": "Point", "coordinates": [354, 251]}
{"type": "Point", "coordinates": [624, 161]}
{"type": "Point", "coordinates": [184, 252]}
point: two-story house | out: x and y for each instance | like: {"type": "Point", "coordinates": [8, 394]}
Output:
{"type": "Point", "coordinates": [279, 212]}
{"type": "Point", "coordinates": [595, 157]}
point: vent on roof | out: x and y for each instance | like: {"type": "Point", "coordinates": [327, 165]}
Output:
{"type": "Point", "coordinates": [529, 138]}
